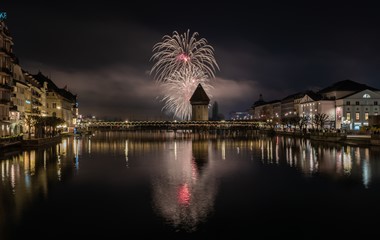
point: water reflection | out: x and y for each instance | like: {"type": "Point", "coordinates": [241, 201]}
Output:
{"type": "Point", "coordinates": [184, 192]}
{"type": "Point", "coordinates": [183, 178]}
{"type": "Point", "coordinates": [26, 175]}
{"type": "Point", "coordinates": [318, 157]}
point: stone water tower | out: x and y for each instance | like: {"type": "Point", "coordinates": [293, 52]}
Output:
{"type": "Point", "coordinates": [199, 104]}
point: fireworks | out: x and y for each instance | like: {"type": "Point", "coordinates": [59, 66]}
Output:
{"type": "Point", "coordinates": [182, 62]}
{"type": "Point", "coordinates": [178, 89]}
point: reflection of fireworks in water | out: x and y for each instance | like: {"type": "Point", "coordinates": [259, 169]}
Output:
{"type": "Point", "coordinates": [182, 194]}
{"type": "Point", "coordinates": [178, 89]}
{"type": "Point", "coordinates": [182, 62]}
{"type": "Point", "coordinates": [181, 51]}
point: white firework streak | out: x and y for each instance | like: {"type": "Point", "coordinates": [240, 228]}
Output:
{"type": "Point", "coordinates": [181, 51]}
{"type": "Point", "coordinates": [178, 89]}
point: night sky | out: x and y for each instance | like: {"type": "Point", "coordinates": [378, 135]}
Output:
{"type": "Point", "coordinates": [102, 50]}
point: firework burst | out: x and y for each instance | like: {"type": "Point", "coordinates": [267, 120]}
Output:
{"type": "Point", "coordinates": [182, 62]}
{"type": "Point", "coordinates": [178, 89]}
{"type": "Point", "coordinates": [181, 51]}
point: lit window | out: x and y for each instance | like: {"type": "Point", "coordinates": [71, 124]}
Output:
{"type": "Point", "coordinates": [348, 116]}
{"type": "Point", "coordinates": [366, 116]}
{"type": "Point", "coordinates": [357, 116]}
{"type": "Point", "coordinates": [366, 95]}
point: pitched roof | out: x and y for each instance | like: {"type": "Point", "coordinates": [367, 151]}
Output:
{"type": "Point", "coordinates": [51, 86]}
{"type": "Point", "coordinates": [313, 95]}
{"type": "Point", "coordinates": [293, 96]}
{"type": "Point", "coordinates": [347, 85]}
{"type": "Point", "coordinates": [351, 94]}
{"type": "Point", "coordinates": [42, 78]}
{"type": "Point", "coordinates": [199, 96]}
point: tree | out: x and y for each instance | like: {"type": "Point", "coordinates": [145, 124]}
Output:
{"type": "Point", "coordinates": [303, 122]}
{"type": "Point", "coordinates": [46, 126]}
{"type": "Point", "coordinates": [320, 119]}
{"type": "Point", "coordinates": [54, 122]}
{"type": "Point", "coordinates": [39, 126]}
{"type": "Point", "coordinates": [287, 121]}
{"type": "Point", "coordinates": [30, 122]}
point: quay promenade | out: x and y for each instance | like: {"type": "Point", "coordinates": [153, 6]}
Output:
{"type": "Point", "coordinates": [11, 141]}
{"type": "Point", "coordinates": [21, 141]}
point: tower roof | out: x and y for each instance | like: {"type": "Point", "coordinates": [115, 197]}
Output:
{"type": "Point", "coordinates": [259, 102]}
{"type": "Point", "coordinates": [199, 96]}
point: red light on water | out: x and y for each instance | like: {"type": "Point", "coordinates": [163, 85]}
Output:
{"type": "Point", "coordinates": [184, 194]}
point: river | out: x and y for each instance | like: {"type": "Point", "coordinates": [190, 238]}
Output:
{"type": "Point", "coordinates": [117, 185]}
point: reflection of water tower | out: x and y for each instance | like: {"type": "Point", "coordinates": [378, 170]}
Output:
{"type": "Point", "coordinates": [199, 104]}
{"type": "Point", "coordinates": [184, 193]}
{"type": "Point", "coordinates": [200, 154]}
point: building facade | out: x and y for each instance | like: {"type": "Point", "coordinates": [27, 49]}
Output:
{"type": "Point", "coordinates": [354, 110]}
{"type": "Point", "coordinates": [60, 102]}
{"type": "Point", "coordinates": [24, 96]}
{"type": "Point", "coordinates": [312, 104]}
{"type": "Point", "coordinates": [6, 69]}
{"type": "Point", "coordinates": [347, 105]}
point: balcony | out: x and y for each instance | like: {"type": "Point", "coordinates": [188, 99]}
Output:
{"type": "Point", "coordinates": [6, 70]}
{"type": "Point", "coordinates": [36, 94]}
{"type": "Point", "coordinates": [37, 111]}
{"type": "Point", "coordinates": [4, 101]}
{"type": "Point", "coordinates": [36, 103]}
{"type": "Point", "coordinates": [5, 86]}
{"type": "Point", "coordinates": [13, 108]}
{"type": "Point", "coordinates": [9, 53]}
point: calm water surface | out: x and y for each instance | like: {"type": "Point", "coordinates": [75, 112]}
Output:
{"type": "Point", "coordinates": [118, 186]}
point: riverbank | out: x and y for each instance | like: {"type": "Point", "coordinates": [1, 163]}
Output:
{"type": "Point", "coordinates": [21, 142]}
{"type": "Point", "coordinates": [37, 142]}
{"type": "Point", "coordinates": [335, 137]}
{"type": "Point", "coordinates": [10, 142]}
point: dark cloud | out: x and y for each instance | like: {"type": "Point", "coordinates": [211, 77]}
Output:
{"type": "Point", "coordinates": [102, 50]}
